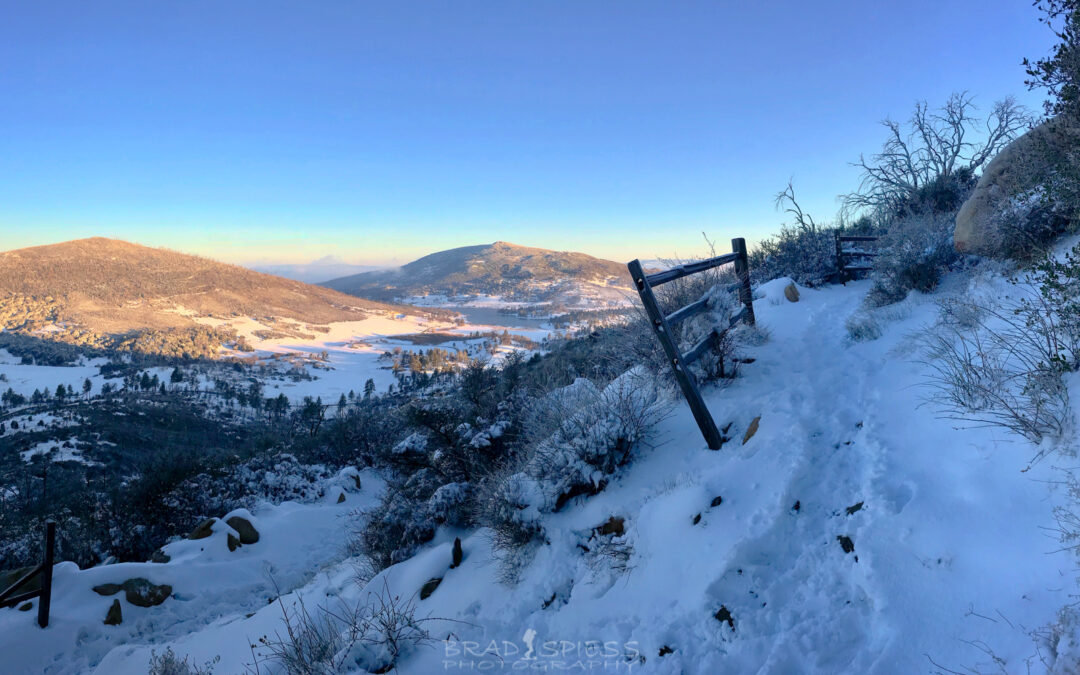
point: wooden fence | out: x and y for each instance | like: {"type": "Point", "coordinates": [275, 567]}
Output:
{"type": "Point", "coordinates": [45, 570]}
{"type": "Point", "coordinates": [845, 270]}
{"type": "Point", "coordinates": [662, 323]}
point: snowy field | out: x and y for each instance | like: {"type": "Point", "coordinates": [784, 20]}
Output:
{"type": "Point", "coordinates": [855, 532]}
{"type": "Point", "coordinates": [354, 350]}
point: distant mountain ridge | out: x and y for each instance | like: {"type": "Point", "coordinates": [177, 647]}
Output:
{"type": "Point", "coordinates": [316, 271]}
{"type": "Point", "coordinates": [511, 272]}
{"type": "Point", "coordinates": [98, 292]}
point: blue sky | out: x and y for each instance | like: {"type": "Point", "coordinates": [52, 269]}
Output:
{"type": "Point", "coordinates": [379, 132]}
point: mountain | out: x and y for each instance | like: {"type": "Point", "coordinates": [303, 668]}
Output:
{"type": "Point", "coordinates": [514, 274]}
{"type": "Point", "coordinates": [327, 267]}
{"type": "Point", "coordinates": [98, 291]}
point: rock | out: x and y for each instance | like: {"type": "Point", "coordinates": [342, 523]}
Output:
{"type": "Point", "coordinates": [233, 542]}
{"type": "Point", "coordinates": [1020, 167]}
{"type": "Point", "coordinates": [248, 533]}
{"type": "Point", "coordinates": [456, 555]}
{"type": "Point", "coordinates": [723, 615]}
{"type": "Point", "coordinates": [697, 519]}
{"type": "Point", "coordinates": [159, 556]}
{"type": "Point", "coordinates": [341, 498]}
{"type": "Point", "coordinates": [108, 589]}
{"type": "Point", "coordinates": [356, 479]}
{"type": "Point", "coordinates": [614, 525]}
{"type": "Point", "coordinates": [137, 591]}
{"type": "Point", "coordinates": [115, 615]}
{"type": "Point", "coordinates": [142, 593]}
{"type": "Point", "coordinates": [203, 529]}
{"type": "Point", "coordinates": [717, 501]}
{"type": "Point", "coordinates": [26, 606]}
{"type": "Point", "coordinates": [846, 543]}
{"type": "Point", "coordinates": [751, 430]}
{"type": "Point", "coordinates": [854, 508]}
{"type": "Point", "coordinates": [429, 587]}
{"type": "Point", "coordinates": [791, 292]}
{"type": "Point", "coordinates": [665, 650]}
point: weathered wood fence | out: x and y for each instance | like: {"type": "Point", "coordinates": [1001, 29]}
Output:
{"type": "Point", "coordinates": [45, 570]}
{"type": "Point", "coordinates": [662, 323]}
{"type": "Point", "coordinates": [845, 270]}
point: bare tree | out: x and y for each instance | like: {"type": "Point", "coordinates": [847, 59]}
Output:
{"type": "Point", "coordinates": [785, 200]}
{"type": "Point", "coordinates": [932, 146]}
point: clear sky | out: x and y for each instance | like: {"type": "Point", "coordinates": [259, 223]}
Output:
{"type": "Point", "coordinates": [381, 131]}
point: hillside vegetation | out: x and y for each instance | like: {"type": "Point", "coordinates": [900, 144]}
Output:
{"type": "Point", "coordinates": [517, 273]}
{"type": "Point", "coordinates": [103, 293]}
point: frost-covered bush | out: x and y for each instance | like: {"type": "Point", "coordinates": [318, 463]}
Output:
{"type": "Point", "coordinates": [807, 255]}
{"type": "Point", "coordinates": [394, 529]}
{"type": "Point", "coordinates": [598, 437]}
{"type": "Point", "coordinates": [510, 506]}
{"type": "Point", "coordinates": [915, 253]}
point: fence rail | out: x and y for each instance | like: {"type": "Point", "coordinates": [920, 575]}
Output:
{"type": "Point", "coordinates": [8, 598]}
{"type": "Point", "coordinates": [662, 323]}
{"type": "Point", "coordinates": [844, 269]}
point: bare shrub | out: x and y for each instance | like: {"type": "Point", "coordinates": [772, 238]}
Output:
{"type": "Point", "coordinates": [999, 367]}
{"type": "Point", "coordinates": [168, 663]}
{"type": "Point", "coordinates": [371, 635]}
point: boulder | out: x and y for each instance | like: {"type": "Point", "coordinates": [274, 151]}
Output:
{"type": "Point", "coordinates": [791, 292]}
{"type": "Point", "coordinates": [159, 556]}
{"type": "Point", "coordinates": [244, 528]}
{"type": "Point", "coordinates": [115, 615]}
{"type": "Point", "coordinates": [341, 498]}
{"type": "Point", "coordinates": [138, 591]}
{"type": "Point", "coordinates": [1019, 168]}
{"type": "Point", "coordinates": [203, 529]}
{"type": "Point", "coordinates": [614, 525]}
{"type": "Point", "coordinates": [142, 593]}
{"type": "Point", "coordinates": [107, 589]}
{"type": "Point", "coordinates": [429, 587]}
{"type": "Point", "coordinates": [233, 542]}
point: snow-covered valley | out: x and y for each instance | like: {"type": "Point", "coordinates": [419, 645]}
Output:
{"type": "Point", "coordinates": [855, 531]}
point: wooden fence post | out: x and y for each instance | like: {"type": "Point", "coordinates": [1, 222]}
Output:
{"type": "Point", "coordinates": [742, 271]}
{"type": "Point", "coordinates": [685, 379]}
{"type": "Point", "coordinates": [46, 574]}
{"type": "Point", "coordinates": [839, 259]}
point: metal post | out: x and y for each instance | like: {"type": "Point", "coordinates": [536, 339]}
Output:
{"type": "Point", "coordinates": [742, 271]}
{"type": "Point", "coordinates": [46, 574]}
{"type": "Point", "coordinates": [685, 379]}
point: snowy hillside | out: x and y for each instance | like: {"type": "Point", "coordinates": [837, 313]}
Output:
{"type": "Point", "coordinates": [854, 532]}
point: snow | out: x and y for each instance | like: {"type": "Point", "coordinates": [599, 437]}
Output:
{"type": "Point", "coordinates": [951, 545]}
{"type": "Point", "coordinates": [220, 598]}
{"type": "Point", "coordinates": [57, 452]}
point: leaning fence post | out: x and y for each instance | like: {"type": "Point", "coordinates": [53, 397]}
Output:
{"type": "Point", "coordinates": [685, 379]}
{"type": "Point", "coordinates": [46, 574]}
{"type": "Point", "coordinates": [742, 271]}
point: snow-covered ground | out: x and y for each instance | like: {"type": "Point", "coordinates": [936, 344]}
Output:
{"type": "Point", "coordinates": [951, 558]}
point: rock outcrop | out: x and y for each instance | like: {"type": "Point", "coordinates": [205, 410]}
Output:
{"type": "Point", "coordinates": [992, 219]}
